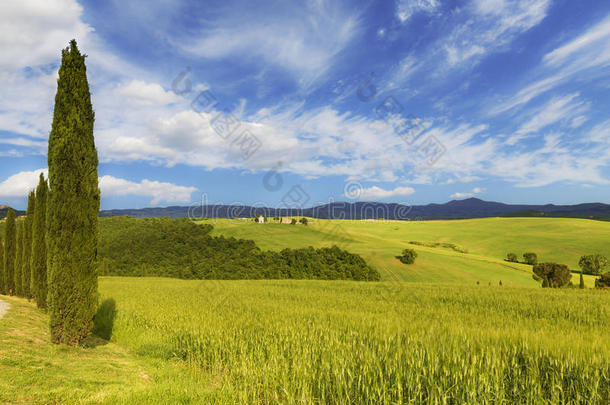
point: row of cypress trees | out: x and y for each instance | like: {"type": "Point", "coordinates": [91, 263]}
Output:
{"type": "Point", "coordinates": [23, 268]}
{"type": "Point", "coordinates": [50, 256]}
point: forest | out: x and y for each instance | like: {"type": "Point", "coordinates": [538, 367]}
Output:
{"type": "Point", "coordinates": [180, 248]}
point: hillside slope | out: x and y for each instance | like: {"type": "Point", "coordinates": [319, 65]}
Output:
{"type": "Point", "coordinates": [487, 241]}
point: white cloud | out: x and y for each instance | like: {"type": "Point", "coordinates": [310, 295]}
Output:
{"type": "Point", "coordinates": [159, 191]}
{"type": "Point", "coordinates": [491, 26]}
{"type": "Point", "coordinates": [588, 52]}
{"type": "Point", "coordinates": [469, 33]}
{"type": "Point", "coordinates": [469, 194]}
{"type": "Point", "coordinates": [600, 133]}
{"type": "Point", "coordinates": [312, 143]}
{"type": "Point", "coordinates": [281, 37]}
{"type": "Point", "coordinates": [461, 195]}
{"type": "Point", "coordinates": [407, 8]}
{"type": "Point", "coordinates": [564, 108]}
{"type": "Point", "coordinates": [20, 184]}
{"type": "Point", "coordinates": [147, 93]}
{"type": "Point", "coordinates": [595, 38]}
{"type": "Point", "coordinates": [378, 193]}
{"type": "Point", "coordinates": [37, 145]}
{"type": "Point", "coordinates": [33, 31]}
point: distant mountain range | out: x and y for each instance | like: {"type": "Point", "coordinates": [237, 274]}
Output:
{"type": "Point", "coordinates": [456, 209]}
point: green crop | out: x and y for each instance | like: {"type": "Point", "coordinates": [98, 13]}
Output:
{"type": "Point", "coordinates": [372, 343]}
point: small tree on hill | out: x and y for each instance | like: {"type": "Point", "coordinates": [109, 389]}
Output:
{"type": "Point", "coordinates": [581, 284]}
{"type": "Point", "coordinates": [293, 221]}
{"type": "Point", "coordinates": [18, 276]}
{"type": "Point", "coordinates": [38, 261]}
{"type": "Point", "coordinates": [593, 264]}
{"type": "Point", "coordinates": [73, 205]}
{"type": "Point", "coordinates": [10, 252]}
{"type": "Point", "coordinates": [603, 281]}
{"type": "Point", "coordinates": [26, 270]}
{"type": "Point", "coordinates": [512, 257]}
{"type": "Point", "coordinates": [408, 256]}
{"type": "Point", "coordinates": [303, 221]}
{"type": "Point", "coordinates": [553, 275]}
{"type": "Point", "coordinates": [530, 258]}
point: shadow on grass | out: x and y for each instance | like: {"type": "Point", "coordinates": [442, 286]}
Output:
{"type": "Point", "coordinates": [103, 323]}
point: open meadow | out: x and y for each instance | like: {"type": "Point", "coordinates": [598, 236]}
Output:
{"type": "Point", "coordinates": [488, 240]}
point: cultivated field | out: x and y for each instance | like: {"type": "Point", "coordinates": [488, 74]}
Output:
{"type": "Point", "coordinates": [355, 342]}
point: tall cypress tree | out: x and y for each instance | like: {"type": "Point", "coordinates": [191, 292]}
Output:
{"type": "Point", "coordinates": [17, 276]}
{"type": "Point", "coordinates": [2, 285]}
{"type": "Point", "coordinates": [26, 271]}
{"type": "Point", "coordinates": [38, 263]}
{"type": "Point", "coordinates": [10, 246]}
{"type": "Point", "coordinates": [73, 205]}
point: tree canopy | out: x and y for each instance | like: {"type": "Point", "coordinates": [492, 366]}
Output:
{"type": "Point", "coordinates": [552, 275]}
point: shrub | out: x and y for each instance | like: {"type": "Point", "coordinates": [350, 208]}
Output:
{"type": "Point", "coordinates": [530, 258]}
{"type": "Point", "coordinates": [603, 281]}
{"type": "Point", "coordinates": [303, 221]}
{"type": "Point", "coordinates": [293, 221]}
{"type": "Point", "coordinates": [408, 256]}
{"type": "Point", "coordinates": [512, 257]}
{"type": "Point", "coordinates": [552, 274]}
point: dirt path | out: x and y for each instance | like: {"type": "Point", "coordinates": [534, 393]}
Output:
{"type": "Point", "coordinates": [4, 306]}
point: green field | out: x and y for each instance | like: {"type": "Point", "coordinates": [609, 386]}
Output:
{"type": "Point", "coordinates": [337, 342]}
{"type": "Point", "coordinates": [488, 241]}
{"type": "Point", "coordinates": [354, 342]}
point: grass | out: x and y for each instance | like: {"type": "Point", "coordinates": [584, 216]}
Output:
{"type": "Point", "coordinates": [33, 370]}
{"type": "Point", "coordinates": [488, 241]}
{"type": "Point", "coordinates": [378, 343]}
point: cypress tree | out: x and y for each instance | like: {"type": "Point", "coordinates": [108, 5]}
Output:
{"type": "Point", "coordinates": [73, 205]}
{"type": "Point", "coordinates": [38, 263]}
{"type": "Point", "coordinates": [26, 271]}
{"type": "Point", "coordinates": [2, 287]}
{"type": "Point", "coordinates": [17, 276]}
{"type": "Point", "coordinates": [10, 246]}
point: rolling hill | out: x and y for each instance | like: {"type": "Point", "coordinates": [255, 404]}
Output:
{"type": "Point", "coordinates": [487, 241]}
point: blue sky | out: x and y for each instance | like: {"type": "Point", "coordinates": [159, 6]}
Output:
{"type": "Point", "coordinates": [283, 103]}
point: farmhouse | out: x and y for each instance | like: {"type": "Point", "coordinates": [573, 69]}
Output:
{"type": "Point", "coordinates": [286, 220]}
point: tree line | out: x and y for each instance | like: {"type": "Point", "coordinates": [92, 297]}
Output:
{"type": "Point", "coordinates": [555, 275]}
{"type": "Point", "coordinates": [23, 251]}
